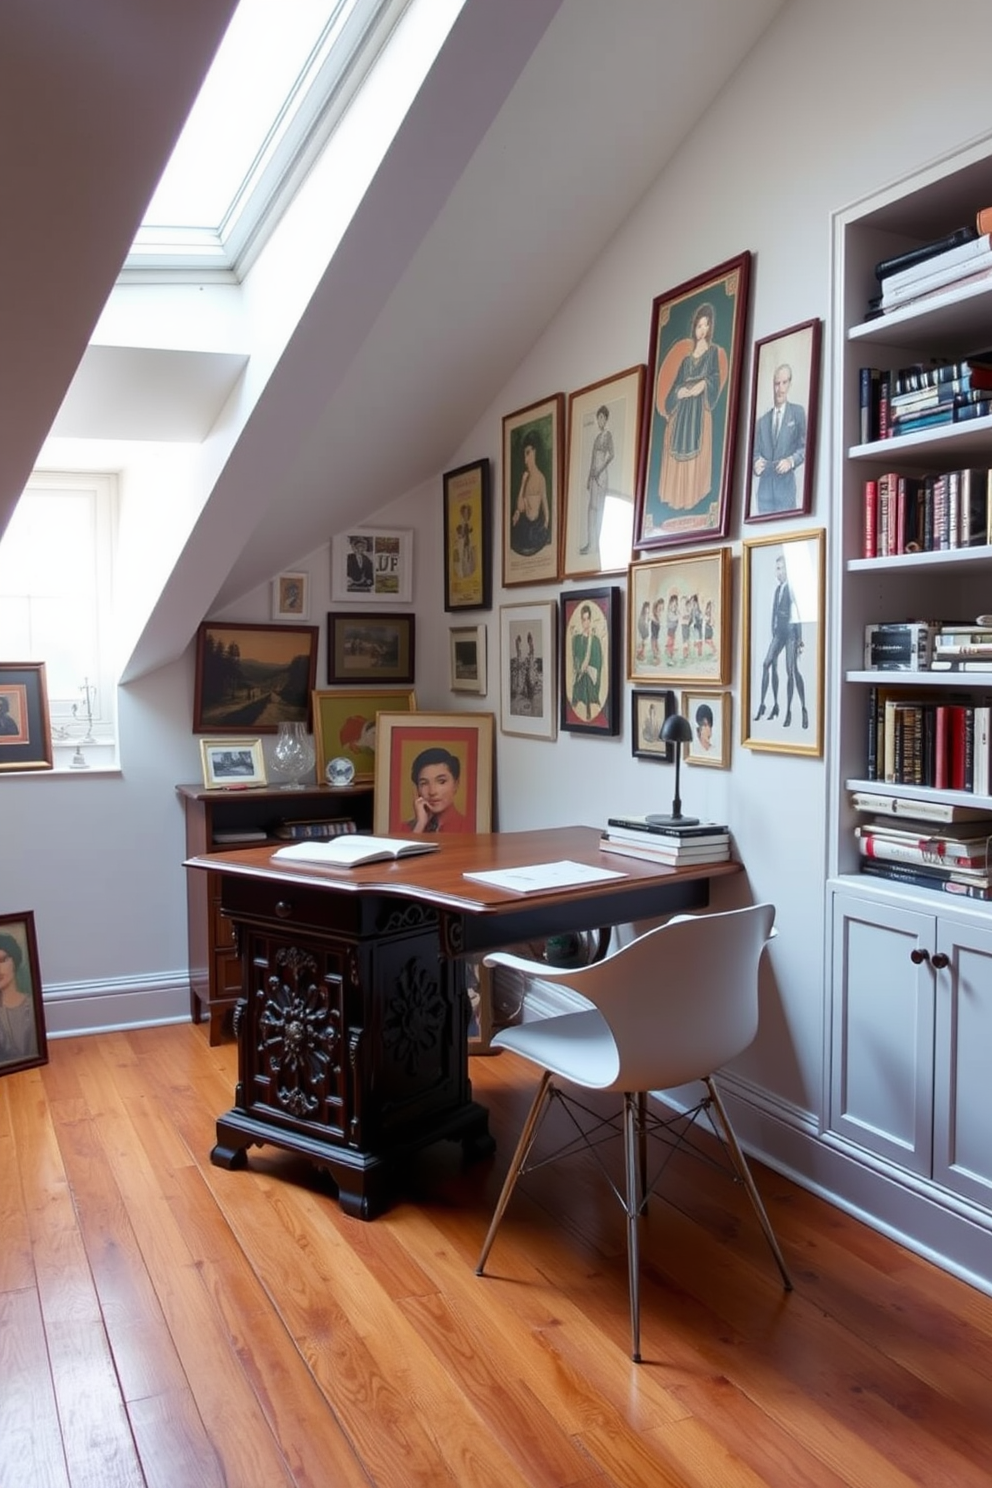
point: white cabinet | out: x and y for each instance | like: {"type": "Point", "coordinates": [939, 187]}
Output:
{"type": "Point", "coordinates": [911, 1039]}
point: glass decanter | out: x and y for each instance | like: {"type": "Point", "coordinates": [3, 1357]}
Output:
{"type": "Point", "coordinates": [293, 755]}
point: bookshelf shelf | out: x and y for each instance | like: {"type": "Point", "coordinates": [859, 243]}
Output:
{"type": "Point", "coordinates": [958, 680]}
{"type": "Point", "coordinates": [948, 558]}
{"type": "Point", "coordinates": [951, 443]}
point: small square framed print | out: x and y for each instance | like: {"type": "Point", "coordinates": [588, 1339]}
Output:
{"type": "Point", "coordinates": [372, 565]}
{"type": "Point", "coordinates": [648, 711]}
{"type": "Point", "coordinates": [231, 764]}
{"type": "Point", "coordinates": [291, 596]}
{"type": "Point", "coordinates": [468, 659]}
{"type": "Point", "coordinates": [709, 717]}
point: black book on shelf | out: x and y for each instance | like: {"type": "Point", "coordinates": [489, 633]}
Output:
{"type": "Point", "coordinates": [913, 256]}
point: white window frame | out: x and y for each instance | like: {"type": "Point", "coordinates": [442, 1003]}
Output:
{"type": "Point", "coordinates": [84, 730]}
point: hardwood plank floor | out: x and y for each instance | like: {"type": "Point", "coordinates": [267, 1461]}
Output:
{"type": "Point", "coordinates": [166, 1322]}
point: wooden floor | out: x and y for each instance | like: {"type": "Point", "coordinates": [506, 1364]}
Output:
{"type": "Point", "coordinates": [169, 1323]}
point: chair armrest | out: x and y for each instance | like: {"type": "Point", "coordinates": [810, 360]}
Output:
{"type": "Point", "coordinates": [535, 969]}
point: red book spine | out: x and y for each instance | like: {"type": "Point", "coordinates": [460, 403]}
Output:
{"type": "Point", "coordinates": [900, 514]}
{"type": "Point", "coordinates": [941, 772]}
{"type": "Point", "coordinates": [957, 753]}
{"type": "Point", "coordinates": [871, 519]}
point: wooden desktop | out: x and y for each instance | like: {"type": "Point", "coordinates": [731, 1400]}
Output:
{"type": "Point", "coordinates": [352, 1034]}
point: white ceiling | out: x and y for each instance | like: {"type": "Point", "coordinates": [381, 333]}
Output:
{"type": "Point", "coordinates": [476, 230]}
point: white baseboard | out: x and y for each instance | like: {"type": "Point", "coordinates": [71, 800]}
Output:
{"type": "Point", "coordinates": [120, 1002]}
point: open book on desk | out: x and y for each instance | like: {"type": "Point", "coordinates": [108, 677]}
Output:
{"type": "Point", "coordinates": [350, 851]}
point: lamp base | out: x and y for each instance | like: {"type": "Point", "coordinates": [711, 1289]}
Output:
{"type": "Point", "coordinates": [654, 820]}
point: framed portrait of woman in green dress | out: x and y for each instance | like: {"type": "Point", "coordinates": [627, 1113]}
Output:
{"type": "Point", "coordinates": [691, 406]}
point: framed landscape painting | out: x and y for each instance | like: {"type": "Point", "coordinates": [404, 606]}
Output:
{"type": "Point", "coordinates": [434, 773]}
{"type": "Point", "coordinates": [468, 562]}
{"type": "Point", "coordinates": [678, 619]}
{"type": "Point", "coordinates": [783, 645]}
{"type": "Point", "coordinates": [232, 764]}
{"type": "Point", "coordinates": [696, 354]}
{"type": "Point", "coordinates": [253, 677]}
{"type": "Point", "coordinates": [604, 434]}
{"type": "Point", "coordinates": [532, 482]}
{"type": "Point", "coordinates": [589, 648]}
{"type": "Point", "coordinates": [22, 1029]}
{"type": "Point", "coordinates": [370, 647]}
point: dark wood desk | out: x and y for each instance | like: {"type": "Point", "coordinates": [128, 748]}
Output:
{"type": "Point", "coordinates": [352, 1034]}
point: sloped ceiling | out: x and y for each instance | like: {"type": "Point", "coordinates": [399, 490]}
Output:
{"type": "Point", "coordinates": [538, 130]}
{"type": "Point", "coordinates": [92, 98]}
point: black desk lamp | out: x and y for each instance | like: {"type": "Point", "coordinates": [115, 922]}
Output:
{"type": "Point", "coordinates": [678, 731]}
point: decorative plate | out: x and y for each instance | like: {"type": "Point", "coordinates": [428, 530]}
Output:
{"type": "Point", "coordinates": [339, 771]}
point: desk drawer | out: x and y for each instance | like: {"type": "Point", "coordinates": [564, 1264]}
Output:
{"type": "Point", "coordinates": [291, 905]}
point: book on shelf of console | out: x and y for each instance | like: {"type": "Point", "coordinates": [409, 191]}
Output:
{"type": "Point", "coordinates": [938, 512]}
{"type": "Point", "coordinates": [956, 265]}
{"type": "Point", "coordinates": [291, 831]}
{"type": "Point", "coordinates": [918, 808]}
{"type": "Point", "coordinates": [909, 258]}
{"type": "Point", "coordinates": [921, 877]}
{"type": "Point", "coordinates": [916, 739]}
{"type": "Point", "coordinates": [906, 848]}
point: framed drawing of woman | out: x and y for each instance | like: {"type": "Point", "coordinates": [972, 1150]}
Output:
{"type": "Point", "coordinates": [693, 394]}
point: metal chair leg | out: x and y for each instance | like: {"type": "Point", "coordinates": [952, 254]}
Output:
{"type": "Point", "coordinates": [744, 1173]}
{"type": "Point", "coordinates": [633, 1134]}
{"type": "Point", "coordinates": [524, 1142]}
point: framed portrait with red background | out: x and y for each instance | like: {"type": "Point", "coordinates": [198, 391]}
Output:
{"type": "Point", "coordinates": [434, 772]}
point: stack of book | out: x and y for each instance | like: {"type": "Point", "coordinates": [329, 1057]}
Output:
{"type": "Point", "coordinates": [294, 831]}
{"type": "Point", "coordinates": [923, 395]}
{"type": "Point", "coordinates": [670, 844]}
{"type": "Point", "coordinates": [962, 648]}
{"type": "Point", "coordinates": [952, 858]}
{"type": "Point", "coordinates": [961, 257]}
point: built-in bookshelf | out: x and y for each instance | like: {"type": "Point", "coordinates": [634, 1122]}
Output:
{"type": "Point", "coordinates": [909, 966]}
{"type": "Point", "coordinates": [954, 584]}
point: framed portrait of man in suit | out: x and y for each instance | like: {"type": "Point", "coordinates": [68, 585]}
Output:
{"type": "Point", "coordinates": [785, 389]}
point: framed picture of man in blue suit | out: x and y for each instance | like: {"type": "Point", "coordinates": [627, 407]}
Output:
{"type": "Point", "coordinates": [785, 388]}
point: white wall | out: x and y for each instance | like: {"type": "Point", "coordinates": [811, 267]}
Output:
{"type": "Point", "coordinates": [810, 123]}
{"type": "Point", "coordinates": [818, 115]}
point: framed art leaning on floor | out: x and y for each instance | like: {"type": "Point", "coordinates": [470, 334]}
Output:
{"type": "Point", "coordinates": [22, 1016]}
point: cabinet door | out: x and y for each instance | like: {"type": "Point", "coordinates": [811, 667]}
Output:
{"type": "Point", "coordinates": [881, 1065]}
{"type": "Point", "coordinates": [962, 1149]}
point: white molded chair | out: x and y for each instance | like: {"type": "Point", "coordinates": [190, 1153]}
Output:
{"type": "Point", "coordinates": [668, 1009]}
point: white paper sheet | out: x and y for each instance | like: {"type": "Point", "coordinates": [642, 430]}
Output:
{"type": "Point", "coordinates": [540, 877]}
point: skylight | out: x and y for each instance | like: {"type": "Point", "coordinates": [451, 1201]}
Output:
{"type": "Point", "coordinates": [281, 79]}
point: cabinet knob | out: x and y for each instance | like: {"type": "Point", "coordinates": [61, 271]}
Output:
{"type": "Point", "coordinates": [919, 955]}
{"type": "Point", "coordinates": [283, 909]}
{"type": "Point", "coordinates": [939, 961]}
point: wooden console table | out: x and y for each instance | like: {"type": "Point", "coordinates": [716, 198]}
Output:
{"type": "Point", "coordinates": [211, 816]}
{"type": "Point", "coordinates": [352, 1030]}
